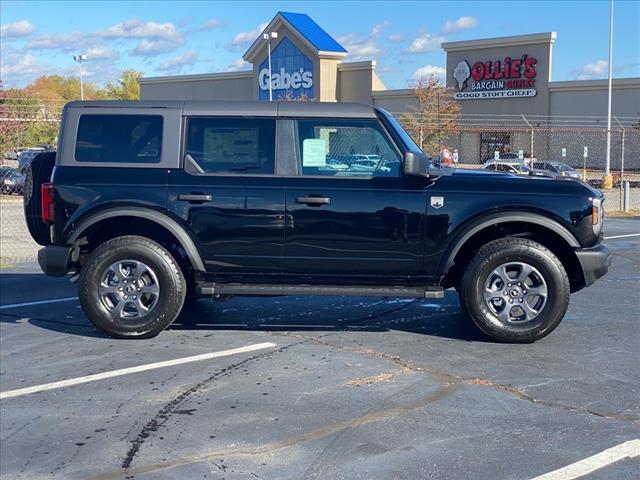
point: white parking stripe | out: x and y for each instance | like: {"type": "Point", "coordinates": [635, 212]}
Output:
{"type": "Point", "coordinates": [622, 236]}
{"type": "Point", "coordinates": [127, 371]}
{"type": "Point", "coordinates": [626, 450]}
{"type": "Point", "coordinates": [39, 302]}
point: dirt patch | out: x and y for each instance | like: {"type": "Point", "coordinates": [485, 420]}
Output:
{"type": "Point", "coordinates": [381, 377]}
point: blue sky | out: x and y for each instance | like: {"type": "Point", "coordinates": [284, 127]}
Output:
{"type": "Point", "coordinates": [170, 38]}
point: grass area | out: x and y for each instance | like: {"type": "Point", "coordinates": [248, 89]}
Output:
{"type": "Point", "coordinates": [634, 212]}
{"type": "Point", "coordinates": [5, 264]}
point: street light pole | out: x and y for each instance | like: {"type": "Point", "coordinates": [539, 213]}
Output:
{"type": "Point", "coordinates": [79, 59]}
{"type": "Point", "coordinates": [607, 181]}
{"type": "Point", "coordinates": [268, 37]}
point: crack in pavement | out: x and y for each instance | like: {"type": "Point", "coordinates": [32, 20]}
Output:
{"type": "Point", "coordinates": [375, 416]}
{"type": "Point", "coordinates": [443, 376]}
{"type": "Point", "coordinates": [170, 408]}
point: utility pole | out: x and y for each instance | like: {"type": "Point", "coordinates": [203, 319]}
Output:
{"type": "Point", "coordinates": [79, 59]}
{"type": "Point", "coordinates": [607, 181]}
{"type": "Point", "coordinates": [268, 37]}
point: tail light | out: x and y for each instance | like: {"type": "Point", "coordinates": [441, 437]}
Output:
{"type": "Point", "coordinates": [46, 202]}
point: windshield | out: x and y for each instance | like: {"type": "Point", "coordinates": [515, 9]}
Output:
{"type": "Point", "coordinates": [404, 136]}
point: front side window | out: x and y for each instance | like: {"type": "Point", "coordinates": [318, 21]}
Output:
{"type": "Point", "coordinates": [119, 138]}
{"type": "Point", "coordinates": [345, 148]}
{"type": "Point", "coordinates": [231, 145]}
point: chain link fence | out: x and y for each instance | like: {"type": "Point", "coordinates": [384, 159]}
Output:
{"type": "Point", "coordinates": [579, 142]}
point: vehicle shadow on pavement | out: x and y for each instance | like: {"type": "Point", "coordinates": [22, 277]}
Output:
{"type": "Point", "coordinates": [441, 318]}
{"type": "Point", "coordinates": [316, 314]}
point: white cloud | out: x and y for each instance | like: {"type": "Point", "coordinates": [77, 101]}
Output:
{"type": "Point", "coordinates": [60, 41]}
{"type": "Point", "coordinates": [237, 65]}
{"type": "Point", "coordinates": [396, 37]}
{"type": "Point", "coordinates": [596, 69]}
{"type": "Point", "coordinates": [176, 63]}
{"type": "Point", "coordinates": [461, 23]}
{"type": "Point", "coordinates": [100, 53]}
{"type": "Point", "coordinates": [17, 29]}
{"type": "Point", "coordinates": [246, 38]}
{"type": "Point", "coordinates": [18, 70]}
{"type": "Point", "coordinates": [154, 47]}
{"type": "Point", "coordinates": [426, 42]}
{"type": "Point", "coordinates": [430, 70]}
{"type": "Point", "coordinates": [363, 47]}
{"type": "Point", "coordinates": [210, 24]}
{"type": "Point", "coordinates": [135, 28]}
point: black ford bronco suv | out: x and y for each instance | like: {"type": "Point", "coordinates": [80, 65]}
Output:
{"type": "Point", "coordinates": [149, 204]}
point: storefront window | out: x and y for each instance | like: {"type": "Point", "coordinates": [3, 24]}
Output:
{"type": "Point", "coordinates": [492, 141]}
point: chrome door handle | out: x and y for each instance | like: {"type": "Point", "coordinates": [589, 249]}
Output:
{"type": "Point", "coordinates": [314, 200]}
{"type": "Point", "coordinates": [195, 197]}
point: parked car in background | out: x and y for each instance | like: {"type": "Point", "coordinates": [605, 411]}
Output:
{"type": "Point", "coordinates": [516, 168]}
{"type": "Point", "coordinates": [26, 156]}
{"type": "Point", "coordinates": [11, 181]}
{"type": "Point", "coordinates": [557, 169]}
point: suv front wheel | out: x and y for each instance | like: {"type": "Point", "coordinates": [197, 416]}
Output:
{"type": "Point", "coordinates": [515, 290]}
{"type": "Point", "coordinates": [131, 287]}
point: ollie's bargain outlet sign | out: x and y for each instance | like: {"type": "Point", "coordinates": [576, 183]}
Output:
{"type": "Point", "coordinates": [507, 78]}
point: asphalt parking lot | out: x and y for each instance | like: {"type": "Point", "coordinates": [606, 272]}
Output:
{"type": "Point", "coordinates": [321, 388]}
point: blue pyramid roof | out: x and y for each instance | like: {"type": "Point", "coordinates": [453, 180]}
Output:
{"type": "Point", "coordinates": [312, 32]}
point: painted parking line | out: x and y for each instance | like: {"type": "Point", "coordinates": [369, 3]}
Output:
{"type": "Point", "coordinates": [139, 368]}
{"type": "Point", "coordinates": [39, 302]}
{"type": "Point", "coordinates": [622, 236]}
{"type": "Point", "coordinates": [626, 450]}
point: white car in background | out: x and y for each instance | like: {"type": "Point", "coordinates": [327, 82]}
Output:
{"type": "Point", "coordinates": [507, 166]}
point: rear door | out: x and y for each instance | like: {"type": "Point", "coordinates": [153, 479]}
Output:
{"type": "Point", "coordinates": [228, 195]}
{"type": "Point", "coordinates": [363, 220]}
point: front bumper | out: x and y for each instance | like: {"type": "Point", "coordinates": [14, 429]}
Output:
{"type": "Point", "coordinates": [595, 262]}
{"type": "Point", "coordinates": [54, 260]}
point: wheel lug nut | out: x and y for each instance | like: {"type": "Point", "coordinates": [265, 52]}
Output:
{"type": "Point", "coordinates": [134, 297]}
{"type": "Point", "coordinates": [510, 300]}
{"type": "Point", "coordinates": [520, 300]}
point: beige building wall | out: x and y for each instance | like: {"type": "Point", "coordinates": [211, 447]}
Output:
{"type": "Point", "coordinates": [217, 86]}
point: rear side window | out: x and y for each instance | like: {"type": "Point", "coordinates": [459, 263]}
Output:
{"type": "Point", "coordinates": [119, 138]}
{"type": "Point", "coordinates": [231, 145]}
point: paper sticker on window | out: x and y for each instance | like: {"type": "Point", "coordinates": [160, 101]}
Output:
{"type": "Point", "coordinates": [314, 152]}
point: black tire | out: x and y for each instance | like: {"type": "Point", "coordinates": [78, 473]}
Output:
{"type": "Point", "coordinates": [165, 271]}
{"type": "Point", "coordinates": [38, 172]}
{"type": "Point", "coordinates": [486, 314]}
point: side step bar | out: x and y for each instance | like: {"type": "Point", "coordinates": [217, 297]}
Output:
{"type": "Point", "coordinates": [326, 290]}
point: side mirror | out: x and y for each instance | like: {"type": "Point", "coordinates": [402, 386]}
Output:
{"type": "Point", "coordinates": [416, 164]}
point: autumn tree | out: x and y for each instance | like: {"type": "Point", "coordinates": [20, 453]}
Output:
{"type": "Point", "coordinates": [434, 116]}
{"type": "Point", "coordinates": [125, 88]}
{"type": "Point", "coordinates": [10, 127]}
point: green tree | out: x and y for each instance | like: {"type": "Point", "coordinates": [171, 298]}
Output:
{"type": "Point", "coordinates": [125, 88]}
{"type": "Point", "coordinates": [433, 117]}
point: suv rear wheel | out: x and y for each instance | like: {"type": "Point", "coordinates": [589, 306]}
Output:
{"type": "Point", "coordinates": [515, 290]}
{"type": "Point", "coordinates": [131, 287]}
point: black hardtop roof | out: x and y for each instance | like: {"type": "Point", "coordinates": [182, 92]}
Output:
{"type": "Point", "coordinates": [241, 108]}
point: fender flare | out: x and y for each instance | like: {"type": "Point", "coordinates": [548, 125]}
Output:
{"type": "Point", "coordinates": [172, 226]}
{"type": "Point", "coordinates": [495, 219]}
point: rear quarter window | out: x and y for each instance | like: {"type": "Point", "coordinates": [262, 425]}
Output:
{"type": "Point", "coordinates": [119, 139]}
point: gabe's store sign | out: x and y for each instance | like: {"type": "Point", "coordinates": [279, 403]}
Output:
{"type": "Point", "coordinates": [508, 78]}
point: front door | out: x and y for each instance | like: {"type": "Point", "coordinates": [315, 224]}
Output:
{"type": "Point", "coordinates": [228, 195]}
{"type": "Point", "coordinates": [350, 211]}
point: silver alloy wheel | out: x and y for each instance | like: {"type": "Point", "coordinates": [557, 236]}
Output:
{"type": "Point", "coordinates": [515, 292]}
{"type": "Point", "coordinates": [129, 289]}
